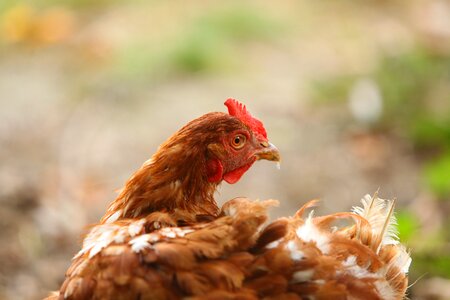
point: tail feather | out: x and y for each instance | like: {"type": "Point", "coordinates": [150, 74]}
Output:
{"type": "Point", "coordinates": [383, 224]}
{"type": "Point", "coordinates": [366, 257]}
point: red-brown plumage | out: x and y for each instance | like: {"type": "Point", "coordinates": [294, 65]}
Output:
{"type": "Point", "coordinates": [181, 178]}
{"type": "Point", "coordinates": [165, 238]}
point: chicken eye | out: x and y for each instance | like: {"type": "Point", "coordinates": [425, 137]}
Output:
{"type": "Point", "coordinates": [238, 141]}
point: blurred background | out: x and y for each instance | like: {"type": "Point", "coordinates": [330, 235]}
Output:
{"type": "Point", "coordinates": [356, 95]}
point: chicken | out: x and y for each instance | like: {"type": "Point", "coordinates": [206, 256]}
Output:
{"type": "Point", "coordinates": [176, 186]}
{"type": "Point", "coordinates": [165, 238]}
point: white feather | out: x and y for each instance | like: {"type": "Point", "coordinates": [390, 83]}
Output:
{"type": "Point", "coordinates": [309, 232]}
{"type": "Point", "coordinates": [379, 213]}
{"type": "Point", "coordinates": [139, 243]}
{"type": "Point", "coordinates": [296, 254]}
{"type": "Point", "coordinates": [136, 227]}
{"type": "Point", "coordinates": [402, 260]}
{"type": "Point", "coordinates": [302, 276]}
{"type": "Point", "coordinates": [355, 270]}
{"type": "Point", "coordinates": [114, 217]}
{"type": "Point", "coordinates": [385, 290]}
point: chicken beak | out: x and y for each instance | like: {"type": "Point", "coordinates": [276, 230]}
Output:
{"type": "Point", "coordinates": [268, 151]}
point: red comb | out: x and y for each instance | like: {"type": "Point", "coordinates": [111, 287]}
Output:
{"type": "Point", "coordinates": [238, 110]}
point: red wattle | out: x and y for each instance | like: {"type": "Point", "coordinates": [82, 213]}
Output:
{"type": "Point", "coordinates": [234, 176]}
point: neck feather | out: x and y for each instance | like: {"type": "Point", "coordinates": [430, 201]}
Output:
{"type": "Point", "coordinates": [174, 179]}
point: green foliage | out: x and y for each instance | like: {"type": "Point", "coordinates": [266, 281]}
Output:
{"type": "Point", "coordinates": [436, 264]}
{"type": "Point", "coordinates": [431, 132]}
{"type": "Point", "coordinates": [406, 79]}
{"type": "Point", "coordinates": [416, 93]}
{"type": "Point", "coordinates": [437, 176]}
{"type": "Point", "coordinates": [137, 60]}
{"type": "Point", "coordinates": [200, 50]}
{"type": "Point", "coordinates": [6, 4]}
{"type": "Point", "coordinates": [239, 23]}
{"type": "Point", "coordinates": [210, 43]}
{"type": "Point", "coordinates": [408, 225]}
{"type": "Point", "coordinates": [332, 91]}
{"type": "Point", "coordinates": [212, 40]}
{"type": "Point", "coordinates": [429, 255]}
{"type": "Point", "coordinates": [407, 82]}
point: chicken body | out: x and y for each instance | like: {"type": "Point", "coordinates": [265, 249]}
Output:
{"type": "Point", "coordinates": [165, 238]}
{"type": "Point", "coordinates": [232, 258]}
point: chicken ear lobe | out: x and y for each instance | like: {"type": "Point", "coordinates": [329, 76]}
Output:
{"type": "Point", "coordinates": [214, 170]}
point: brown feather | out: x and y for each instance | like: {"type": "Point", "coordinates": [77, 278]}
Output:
{"type": "Point", "coordinates": [211, 260]}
